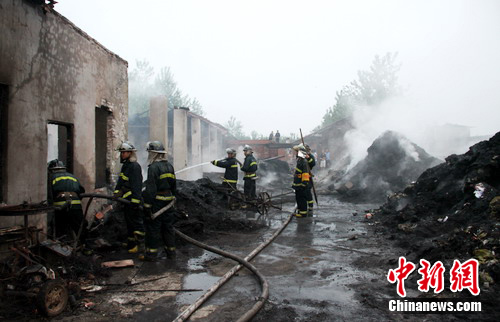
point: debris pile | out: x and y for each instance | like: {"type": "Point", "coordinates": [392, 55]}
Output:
{"type": "Point", "coordinates": [392, 163]}
{"type": "Point", "coordinates": [452, 211]}
{"type": "Point", "coordinates": [206, 205]}
{"type": "Point", "coordinates": [274, 174]}
{"type": "Point", "coordinates": [200, 204]}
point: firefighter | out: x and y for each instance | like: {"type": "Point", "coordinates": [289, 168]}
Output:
{"type": "Point", "coordinates": [301, 181]}
{"type": "Point", "coordinates": [159, 192]}
{"type": "Point", "coordinates": [250, 168]}
{"type": "Point", "coordinates": [231, 165]}
{"type": "Point", "coordinates": [311, 161]}
{"type": "Point", "coordinates": [65, 190]}
{"type": "Point", "coordinates": [129, 187]}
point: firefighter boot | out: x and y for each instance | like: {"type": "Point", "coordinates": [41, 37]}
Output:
{"type": "Point", "coordinates": [139, 243]}
{"type": "Point", "coordinates": [132, 244]}
{"type": "Point", "coordinates": [170, 251]}
{"type": "Point", "coordinates": [150, 255]}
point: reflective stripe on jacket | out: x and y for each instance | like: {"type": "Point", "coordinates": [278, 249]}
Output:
{"type": "Point", "coordinates": [231, 166]}
{"type": "Point", "coordinates": [130, 182]}
{"type": "Point", "coordinates": [161, 183]}
{"type": "Point", "coordinates": [249, 167]}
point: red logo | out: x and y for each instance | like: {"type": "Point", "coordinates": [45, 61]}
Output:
{"type": "Point", "coordinates": [462, 275]}
{"type": "Point", "coordinates": [433, 277]}
{"type": "Point", "coordinates": [400, 274]}
{"type": "Point", "coordinates": [465, 275]}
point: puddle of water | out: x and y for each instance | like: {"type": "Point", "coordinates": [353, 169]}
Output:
{"type": "Point", "coordinates": [195, 281]}
{"type": "Point", "coordinates": [324, 226]}
{"type": "Point", "coordinates": [196, 263]}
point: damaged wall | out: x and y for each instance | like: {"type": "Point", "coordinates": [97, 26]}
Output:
{"type": "Point", "coordinates": [55, 73]}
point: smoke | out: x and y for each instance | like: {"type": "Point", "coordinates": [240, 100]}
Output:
{"type": "Point", "coordinates": [407, 118]}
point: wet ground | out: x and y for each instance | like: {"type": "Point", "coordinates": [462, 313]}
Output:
{"type": "Point", "coordinates": [326, 268]}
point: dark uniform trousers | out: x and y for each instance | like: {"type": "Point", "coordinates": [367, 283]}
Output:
{"type": "Point", "coordinates": [159, 191]}
{"type": "Point", "coordinates": [162, 225]}
{"type": "Point", "coordinates": [69, 221]}
{"type": "Point", "coordinates": [301, 199]}
{"type": "Point", "coordinates": [249, 167]}
{"type": "Point", "coordinates": [134, 220]}
{"type": "Point", "coordinates": [249, 188]}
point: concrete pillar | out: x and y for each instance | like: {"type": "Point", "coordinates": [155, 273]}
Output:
{"type": "Point", "coordinates": [214, 147]}
{"type": "Point", "coordinates": [180, 147]}
{"type": "Point", "coordinates": [205, 146]}
{"type": "Point", "coordinates": [158, 120]}
{"type": "Point", "coordinates": [196, 173]}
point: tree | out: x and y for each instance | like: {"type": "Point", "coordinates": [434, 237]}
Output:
{"type": "Point", "coordinates": [142, 89]}
{"type": "Point", "coordinates": [380, 82]}
{"type": "Point", "coordinates": [371, 88]}
{"type": "Point", "coordinates": [256, 135]}
{"type": "Point", "coordinates": [345, 101]}
{"type": "Point", "coordinates": [235, 128]}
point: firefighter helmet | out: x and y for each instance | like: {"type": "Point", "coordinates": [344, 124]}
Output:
{"type": "Point", "coordinates": [56, 165]}
{"type": "Point", "coordinates": [155, 146]}
{"type": "Point", "coordinates": [247, 148]}
{"type": "Point", "coordinates": [126, 147]}
{"type": "Point", "coordinates": [230, 150]}
{"type": "Point", "coordinates": [300, 147]}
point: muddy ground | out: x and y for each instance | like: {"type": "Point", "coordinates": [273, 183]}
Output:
{"type": "Point", "coordinates": [327, 268]}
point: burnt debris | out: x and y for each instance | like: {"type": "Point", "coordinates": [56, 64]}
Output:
{"type": "Point", "coordinates": [392, 162]}
{"type": "Point", "coordinates": [452, 211]}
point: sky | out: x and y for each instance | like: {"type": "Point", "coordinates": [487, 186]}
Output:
{"type": "Point", "coordinates": [276, 64]}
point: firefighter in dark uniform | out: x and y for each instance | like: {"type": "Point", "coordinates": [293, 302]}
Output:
{"type": "Point", "coordinates": [129, 187]}
{"type": "Point", "coordinates": [231, 165]}
{"type": "Point", "coordinates": [65, 190]}
{"type": "Point", "coordinates": [250, 168]}
{"type": "Point", "coordinates": [301, 181]}
{"type": "Point", "coordinates": [312, 162]}
{"type": "Point", "coordinates": [159, 192]}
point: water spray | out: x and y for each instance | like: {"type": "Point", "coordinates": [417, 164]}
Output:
{"type": "Point", "coordinates": [192, 167]}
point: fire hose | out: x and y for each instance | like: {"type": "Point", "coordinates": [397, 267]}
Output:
{"type": "Point", "coordinates": [242, 262]}
{"type": "Point", "coordinates": [202, 299]}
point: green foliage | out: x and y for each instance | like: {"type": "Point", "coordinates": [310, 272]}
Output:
{"type": "Point", "coordinates": [254, 135]}
{"type": "Point", "coordinates": [235, 128]}
{"type": "Point", "coordinates": [371, 88]}
{"type": "Point", "coordinates": [345, 101]}
{"type": "Point", "coordinates": [380, 82]}
{"type": "Point", "coordinates": [142, 89]}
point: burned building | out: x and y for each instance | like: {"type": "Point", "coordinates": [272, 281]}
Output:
{"type": "Point", "coordinates": [191, 139]}
{"type": "Point", "coordinates": [62, 95]}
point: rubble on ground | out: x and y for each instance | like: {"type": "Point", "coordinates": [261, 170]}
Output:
{"type": "Point", "coordinates": [200, 205]}
{"type": "Point", "coordinates": [452, 211]}
{"type": "Point", "coordinates": [392, 162]}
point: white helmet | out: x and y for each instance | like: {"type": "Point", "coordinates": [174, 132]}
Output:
{"type": "Point", "coordinates": [230, 150]}
{"type": "Point", "coordinates": [126, 147]}
{"type": "Point", "coordinates": [247, 148]}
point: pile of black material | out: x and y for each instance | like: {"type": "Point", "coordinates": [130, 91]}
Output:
{"type": "Point", "coordinates": [391, 164]}
{"type": "Point", "coordinates": [452, 211]}
{"type": "Point", "coordinates": [205, 204]}
{"type": "Point", "coordinates": [274, 174]}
